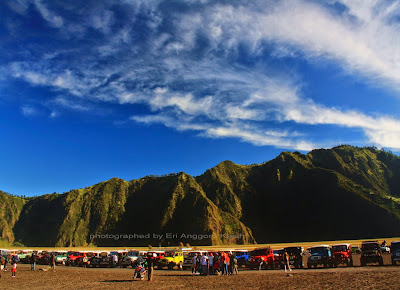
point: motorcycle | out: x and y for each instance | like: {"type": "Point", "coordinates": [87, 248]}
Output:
{"type": "Point", "coordinates": [140, 271]}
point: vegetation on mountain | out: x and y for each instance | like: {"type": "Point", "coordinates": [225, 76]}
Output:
{"type": "Point", "coordinates": [340, 193]}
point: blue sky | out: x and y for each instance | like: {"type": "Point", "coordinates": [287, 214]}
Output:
{"type": "Point", "coordinates": [99, 89]}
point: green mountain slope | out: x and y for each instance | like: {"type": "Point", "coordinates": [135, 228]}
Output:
{"type": "Point", "coordinates": [10, 209]}
{"type": "Point", "coordinates": [339, 193]}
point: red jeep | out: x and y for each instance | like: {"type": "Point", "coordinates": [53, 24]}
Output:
{"type": "Point", "coordinates": [159, 255]}
{"type": "Point", "coordinates": [261, 257]}
{"type": "Point", "coordinates": [341, 254]}
{"type": "Point", "coordinates": [73, 258]}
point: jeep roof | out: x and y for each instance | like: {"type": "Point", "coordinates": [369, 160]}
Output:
{"type": "Point", "coordinates": [370, 242]}
{"type": "Point", "coordinates": [348, 245]}
{"type": "Point", "coordinates": [320, 246]}
{"type": "Point", "coordinates": [395, 245]}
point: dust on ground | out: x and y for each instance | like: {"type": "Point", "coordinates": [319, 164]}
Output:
{"type": "Point", "coordinates": [370, 277]}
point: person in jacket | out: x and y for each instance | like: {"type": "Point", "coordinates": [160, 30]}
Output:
{"type": "Point", "coordinates": [33, 259]}
{"type": "Point", "coordinates": [150, 266]}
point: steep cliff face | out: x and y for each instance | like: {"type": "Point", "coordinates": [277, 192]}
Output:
{"type": "Point", "coordinates": [178, 205]}
{"type": "Point", "coordinates": [10, 209]}
{"type": "Point", "coordinates": [339, 193]}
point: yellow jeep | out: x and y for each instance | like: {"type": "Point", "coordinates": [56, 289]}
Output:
{"type": "Point", "coordinates": [171, 259]}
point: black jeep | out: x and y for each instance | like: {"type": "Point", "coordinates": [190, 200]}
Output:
{"type": "Point", "coordinates": [371, 253]}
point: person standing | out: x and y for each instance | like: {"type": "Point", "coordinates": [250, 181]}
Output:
{"type": "Point", "coordinates": [33, 260]}
{"type": "Point", "coordinates": [204, 264]}
{"type": "Point", "coordinates": [53, 261]}
{"type": "Point", "coordinates": [234, 264]}
{"type": "Point", "coordinates": [222, 262]}
{"type": "Point", "coordinates": [216, 262]}
{"type": "Point", "coordinates": [14, 261]}
{"type": "Point", "coordinates": [2, 263]}
{"type": "Point", "coordinates": [226, 263]}
{"type": "Point", "coordinates": [120, 258]}
{"type": "Point", "coordinates": [115, 260]}
{"type": "Point", "coordinates": [85, 261]}
{"type": "Point", "coordinates": [194, 264]}
{"type": "Point", "coordinates": [286, 262]}
{"type": "Point", "coordinates": [150, 266]}
{"type": "Point", "coordinates": [211, 264]}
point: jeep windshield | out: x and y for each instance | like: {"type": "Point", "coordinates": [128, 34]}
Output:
{"type": "Point", "coordinates": [133, 254]}
{"type": "Point", "coordinates": [76, 254]}
{"type": "Point", "coordinates": [318, 250]}
{"type": "Point", "coordinates": [293, 250]}
{"type": "Point", "coordinates": [370, 247]}
{"type": "Point", "coordinates": [169, 254]}
{"type": "Point", "coordinates": [341, 248]}
{"type": "Point", "coordinates": [259, 252]}
{"type": "Point", "coordinates": [395, 246]}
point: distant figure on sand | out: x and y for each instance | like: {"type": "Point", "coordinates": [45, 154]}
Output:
{"type": "Point", "coordinates": [14, 261]}
{"type": "Point", "coordinates": [286, 262]}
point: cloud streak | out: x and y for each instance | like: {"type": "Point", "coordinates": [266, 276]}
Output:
{"type": "Point", "coordinates": [200, 66]}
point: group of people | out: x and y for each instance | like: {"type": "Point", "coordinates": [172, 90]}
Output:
{"type": "Point", "coordinates": [13, 260]}
{"type": "Point", "coordinates": [215, 264]}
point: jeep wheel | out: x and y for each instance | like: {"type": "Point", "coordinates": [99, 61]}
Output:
{"type": "Point", "coordinates": [309, 266]}
{"type": "Point", "coordinates": [351, 264]}
{"type": "Point", "coordinates": [171, 266]}
{"type": "Point", "coordinates": [381, 261]}
{"type": "Point", "coordinates": [363, 264]}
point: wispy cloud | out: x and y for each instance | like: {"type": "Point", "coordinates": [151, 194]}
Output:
{"type": "Point", "coordinates": [28, 110]}
{"type": "Point", "coordinates": [53, 19]}
{"type": "Point", "coordinates": [186, 65]}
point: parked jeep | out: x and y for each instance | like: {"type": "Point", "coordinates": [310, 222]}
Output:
{"type": "Point", "coordinates": [263, 256]}
{"type": "Point", "coordinates": [371, 253]}
{"type": "Point", "coordinates": [320, 255]}
{"type": "Point", "coordinates": [43, 258]}
{"type": "Point", "coordinates": [105, 259]}
{"type": "Point", "coordinates": [278, 258]}
{"type": "Point", "coordinates": [61, 257]}
{"type": "Point", "coordinates": [24, 256]}
{"type": "Point", "coordinates": [242, 256]}
{"type": "Point", "coordinates": [94, 261]}
{"type": "Point", "coordinates": [395, 250]}
{"type": "Point", "coordinates": [73, 258]}
{"type": "Point", "coordinates": [295, 256]}
{"type": "Point", "coordinates": [159, 255]}
{"type": "Point", "coordinates": [131, 257]}
{"type": "Point", "coordinates": [341, 254]}
{"type": "Point", "coordinates": [171, 259]}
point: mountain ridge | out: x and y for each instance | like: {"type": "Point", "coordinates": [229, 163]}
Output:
{"type": "Point", "coordinates": [326, 194]}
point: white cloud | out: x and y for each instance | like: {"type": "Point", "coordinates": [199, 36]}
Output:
{"type": "Point", "coordinates": [51, 17]}
{"type": "Point", "coordinates": [19, 6]}
{"type": "Point", "coordinates": [66, 103]}
{"type": "Point", "coordinates": [28, 110]}
{"type": "Point", "coordinates": [191, 76]}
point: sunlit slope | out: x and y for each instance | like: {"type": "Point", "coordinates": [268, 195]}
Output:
{"type": "Point", "coordinates": [328, 194]}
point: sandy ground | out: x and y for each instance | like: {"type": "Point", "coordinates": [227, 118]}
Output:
{"type": "Point", "coordinates": [370, 277]}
